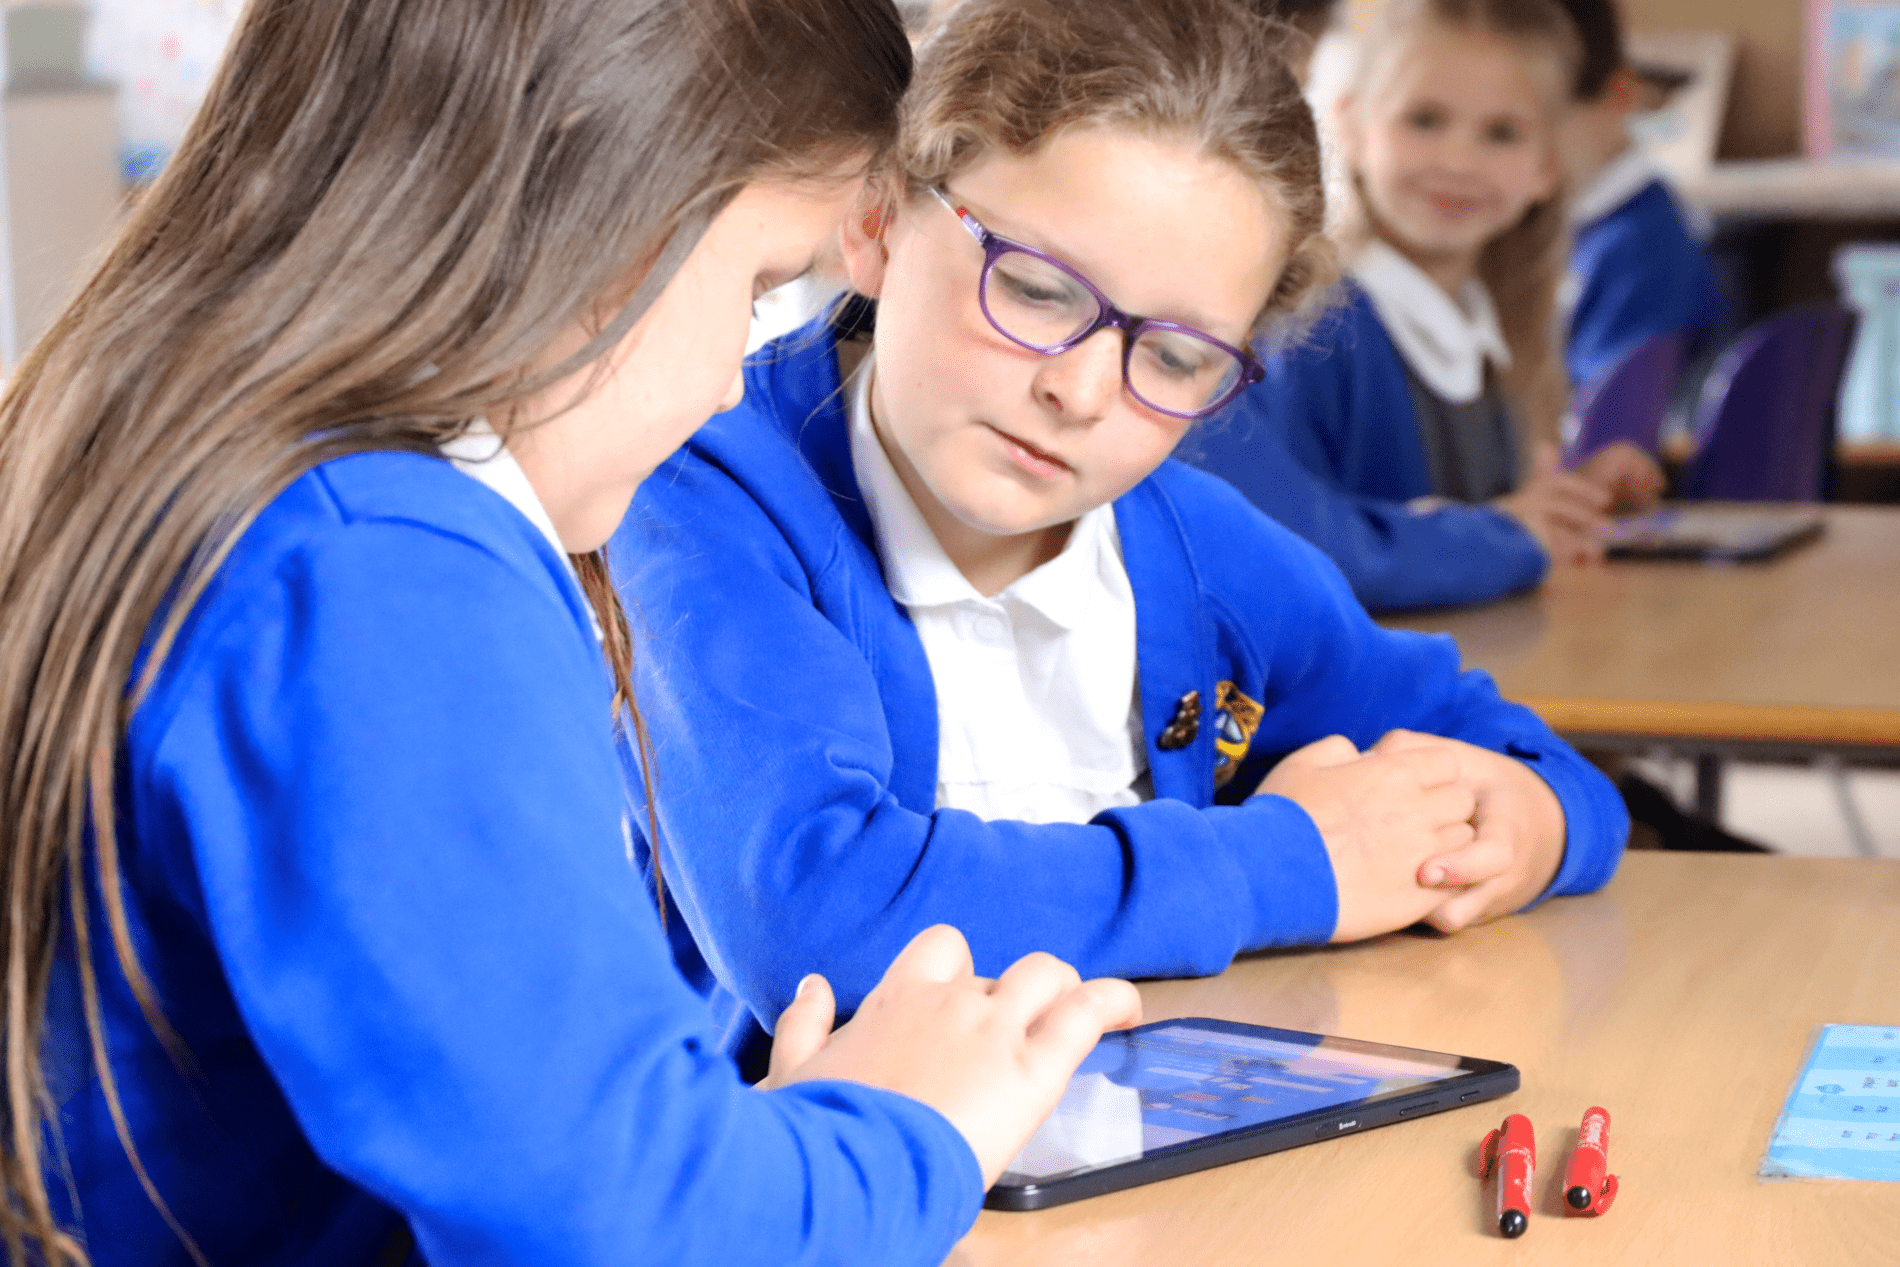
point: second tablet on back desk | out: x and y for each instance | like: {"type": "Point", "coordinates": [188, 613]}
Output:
{"type": "Point", "coordinates": [1715, 534]}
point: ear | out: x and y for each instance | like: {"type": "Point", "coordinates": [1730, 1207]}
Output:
{"type": "Point", "coordinates": [862, 239]}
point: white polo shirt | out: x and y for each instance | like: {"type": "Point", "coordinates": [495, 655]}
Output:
{"type": "Point", "coordinates": [1038, 711]}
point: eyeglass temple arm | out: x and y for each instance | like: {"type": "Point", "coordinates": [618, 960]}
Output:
{"type": "Point", "coordinates": [964, 218]}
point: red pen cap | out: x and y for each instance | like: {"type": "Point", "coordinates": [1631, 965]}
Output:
{"type": "Point", "coordinates": [1588, 1188]}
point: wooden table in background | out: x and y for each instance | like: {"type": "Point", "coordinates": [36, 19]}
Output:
{"type": "Point", "coordinates": [1682, 999]}
{"type": "Point", "coordinates": [1799, 655]}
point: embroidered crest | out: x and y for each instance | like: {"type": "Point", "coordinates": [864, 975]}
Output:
{"type": "Point", "coordinates": [1235, 719]}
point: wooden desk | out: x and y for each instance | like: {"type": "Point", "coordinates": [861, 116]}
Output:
{"type": "Point", "coordinates": [1802, 652]}
{"type": "Point", "coordinates": [1682, 999]}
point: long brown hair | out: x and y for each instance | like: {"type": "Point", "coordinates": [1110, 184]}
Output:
{"type": "Point", "coordinates": [1523, 267]}
{"type": "Point", "coordinates": [384, 215]}
{"type": "Point", "coordinates": [1008, 74]}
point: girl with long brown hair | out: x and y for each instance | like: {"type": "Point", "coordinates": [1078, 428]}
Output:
{"type": "Point", "coordinates": [325, 939]}
{"type": "Point", "coordinates": [1413, 436]}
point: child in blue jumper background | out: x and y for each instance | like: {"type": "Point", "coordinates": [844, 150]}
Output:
{"type": "Point", "coordinates": [966, 646]}
{"type": "Point", "coordinates": [1411, 435]}
{"type": "Point", "coordinates": [1639, 269]}
{"type": "Point", "coordinates": [326, 942]}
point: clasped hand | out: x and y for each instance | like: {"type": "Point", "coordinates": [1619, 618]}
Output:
{"type": "Point", "coordinates": [1424, 828]}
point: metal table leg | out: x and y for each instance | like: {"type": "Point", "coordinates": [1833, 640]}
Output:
{"type": "Point", "coordinates": [1708, 787]}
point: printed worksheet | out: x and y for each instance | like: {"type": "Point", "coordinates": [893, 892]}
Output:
{"type": "Point", "coordinates": [1842, 1118]}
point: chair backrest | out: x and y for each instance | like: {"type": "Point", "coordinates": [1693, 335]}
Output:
{"type": "Point", "coordinates": [1627, 401]}
{"type": "Point", "coordinates": [1764, 424]}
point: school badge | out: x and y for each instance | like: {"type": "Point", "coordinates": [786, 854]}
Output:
{"type": "Point", "coordinates": [1236, 718]}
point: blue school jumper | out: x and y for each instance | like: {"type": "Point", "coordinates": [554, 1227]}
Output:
{"type": "Point", "coordinates": [372, 823]}
{"type": "Point", "coordinates": [795, 725]}
{"type": "Point", "coordinates": [1328, 444]}
{"type": "Point", "coordinates": [1641, 273]}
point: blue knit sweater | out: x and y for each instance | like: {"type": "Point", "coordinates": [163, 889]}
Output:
{"type": "Point", "coordinates": [1329, 445]}
{"type": "Point", "coordinates": [375, 867]}
{"type": "Point", "coordinates": [795, 725]}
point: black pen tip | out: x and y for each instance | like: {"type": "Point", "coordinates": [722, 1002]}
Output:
{"type": "Point", "coordinates": [1578, 1197]}
{"type": "Point", "coordinates": [1512, 1223]}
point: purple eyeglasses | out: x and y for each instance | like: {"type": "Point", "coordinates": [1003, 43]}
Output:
{"type": "Point", "coordinates": [1038, 302]}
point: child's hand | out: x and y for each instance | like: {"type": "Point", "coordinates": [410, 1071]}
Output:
{"type": "Point", "coordinates": [1381, 814]}
{"type": "Point", "coordinates": [991, 1056]}
{"type": "Point", "coordinates": [1629, 475]}
{"type": "Point", "coordinates": [1519, 840]}
{"type": "Point", "coordinates": [1567, 514]}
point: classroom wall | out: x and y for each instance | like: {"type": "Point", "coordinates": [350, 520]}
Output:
{"type": "Point", "coordinates": [1764, 104]}
{"type": "Point", "coordinates": [58, 142]}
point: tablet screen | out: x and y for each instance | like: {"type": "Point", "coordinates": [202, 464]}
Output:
{"type": "Point", "coordinates": [1153, 1088]}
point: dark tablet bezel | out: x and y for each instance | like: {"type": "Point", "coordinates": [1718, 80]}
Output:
{"type": "Point", "coordinates": [1475, 1082]}
{"type": "Point", "coordinates": [1780, 533]}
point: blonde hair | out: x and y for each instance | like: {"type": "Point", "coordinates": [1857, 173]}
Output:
{"type": "Point", "coordinates": [1009, 74]}
{"type": "Point", "coordinates": [1524, 266]}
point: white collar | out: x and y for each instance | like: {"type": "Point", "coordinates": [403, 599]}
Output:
{"type": "Point", "coordinates": [479, 454]}
{"type": "Point", "coordinates": [916, 568]}
{"type": "Point", "coordinates": [1621, 179]}
{"type": "Point", "coordinates": [1445, 341]}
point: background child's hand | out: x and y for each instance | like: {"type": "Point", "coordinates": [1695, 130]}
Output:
{"type": "Point", "coordinates": [1518, 842]}
{"type": "Point", "coordinates": [1381, 814]}
{"type": "Point", "coordinates": [991, 1056]}
{"type": "Point", "coordinates": [1629, 475]}
{"type": "Point", "coordinates": [1567, 513]}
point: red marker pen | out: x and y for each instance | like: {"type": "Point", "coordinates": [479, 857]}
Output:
{"type": "Point", "coordinates": [1511, 1151]}
{"type": "Point", "coordinates": [1586, 1189]}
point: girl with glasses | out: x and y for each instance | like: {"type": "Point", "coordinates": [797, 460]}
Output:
{"type": "Point", "coordinates": [967, 646]}
{"type": "Point", "coordinates": [325, 938]}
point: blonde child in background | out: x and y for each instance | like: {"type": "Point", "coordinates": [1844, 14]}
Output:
{"type": "Point", "coordinates": [1412, 435]}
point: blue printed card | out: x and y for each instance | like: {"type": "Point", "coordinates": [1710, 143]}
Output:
{"type": "Point", "coordinates": [1842, 1118]}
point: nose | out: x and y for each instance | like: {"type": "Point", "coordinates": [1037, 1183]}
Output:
{"type": "Point", "coordinates": [1082, 384]}
{"type": "Point", "coordinates": [1458, 152]}
{"type": "Point", "coordinates": [734, 394]}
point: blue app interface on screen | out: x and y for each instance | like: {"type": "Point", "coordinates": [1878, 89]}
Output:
{"type": "Point", "coordinates": [1140, 1092]}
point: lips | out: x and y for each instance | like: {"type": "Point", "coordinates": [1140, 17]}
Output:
{"type": "Point", "coordinates": [1038, 461]}
{"type": "Point", "coordinates": [1452, 206]}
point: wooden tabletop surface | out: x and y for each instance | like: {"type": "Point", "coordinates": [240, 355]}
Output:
{"type": "Point", "coordinates": [1804, 648]}
{"type": "Point", "coordinates": [1682, 999]}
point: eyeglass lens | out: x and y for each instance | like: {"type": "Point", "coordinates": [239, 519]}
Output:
{"type": "Point", "coordinates": [1038, 304]}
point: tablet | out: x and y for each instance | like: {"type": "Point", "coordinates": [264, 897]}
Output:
{"type": "Point", "coordinates": [1177, 1096]}
{"type": "Point", "coordinates": [1712, 534]}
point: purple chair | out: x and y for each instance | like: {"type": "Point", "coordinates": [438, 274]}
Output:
{"type": "Point", "coordinates": [1626, 402]}
{"type": "Point", "coordinates": [1764, 423]}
